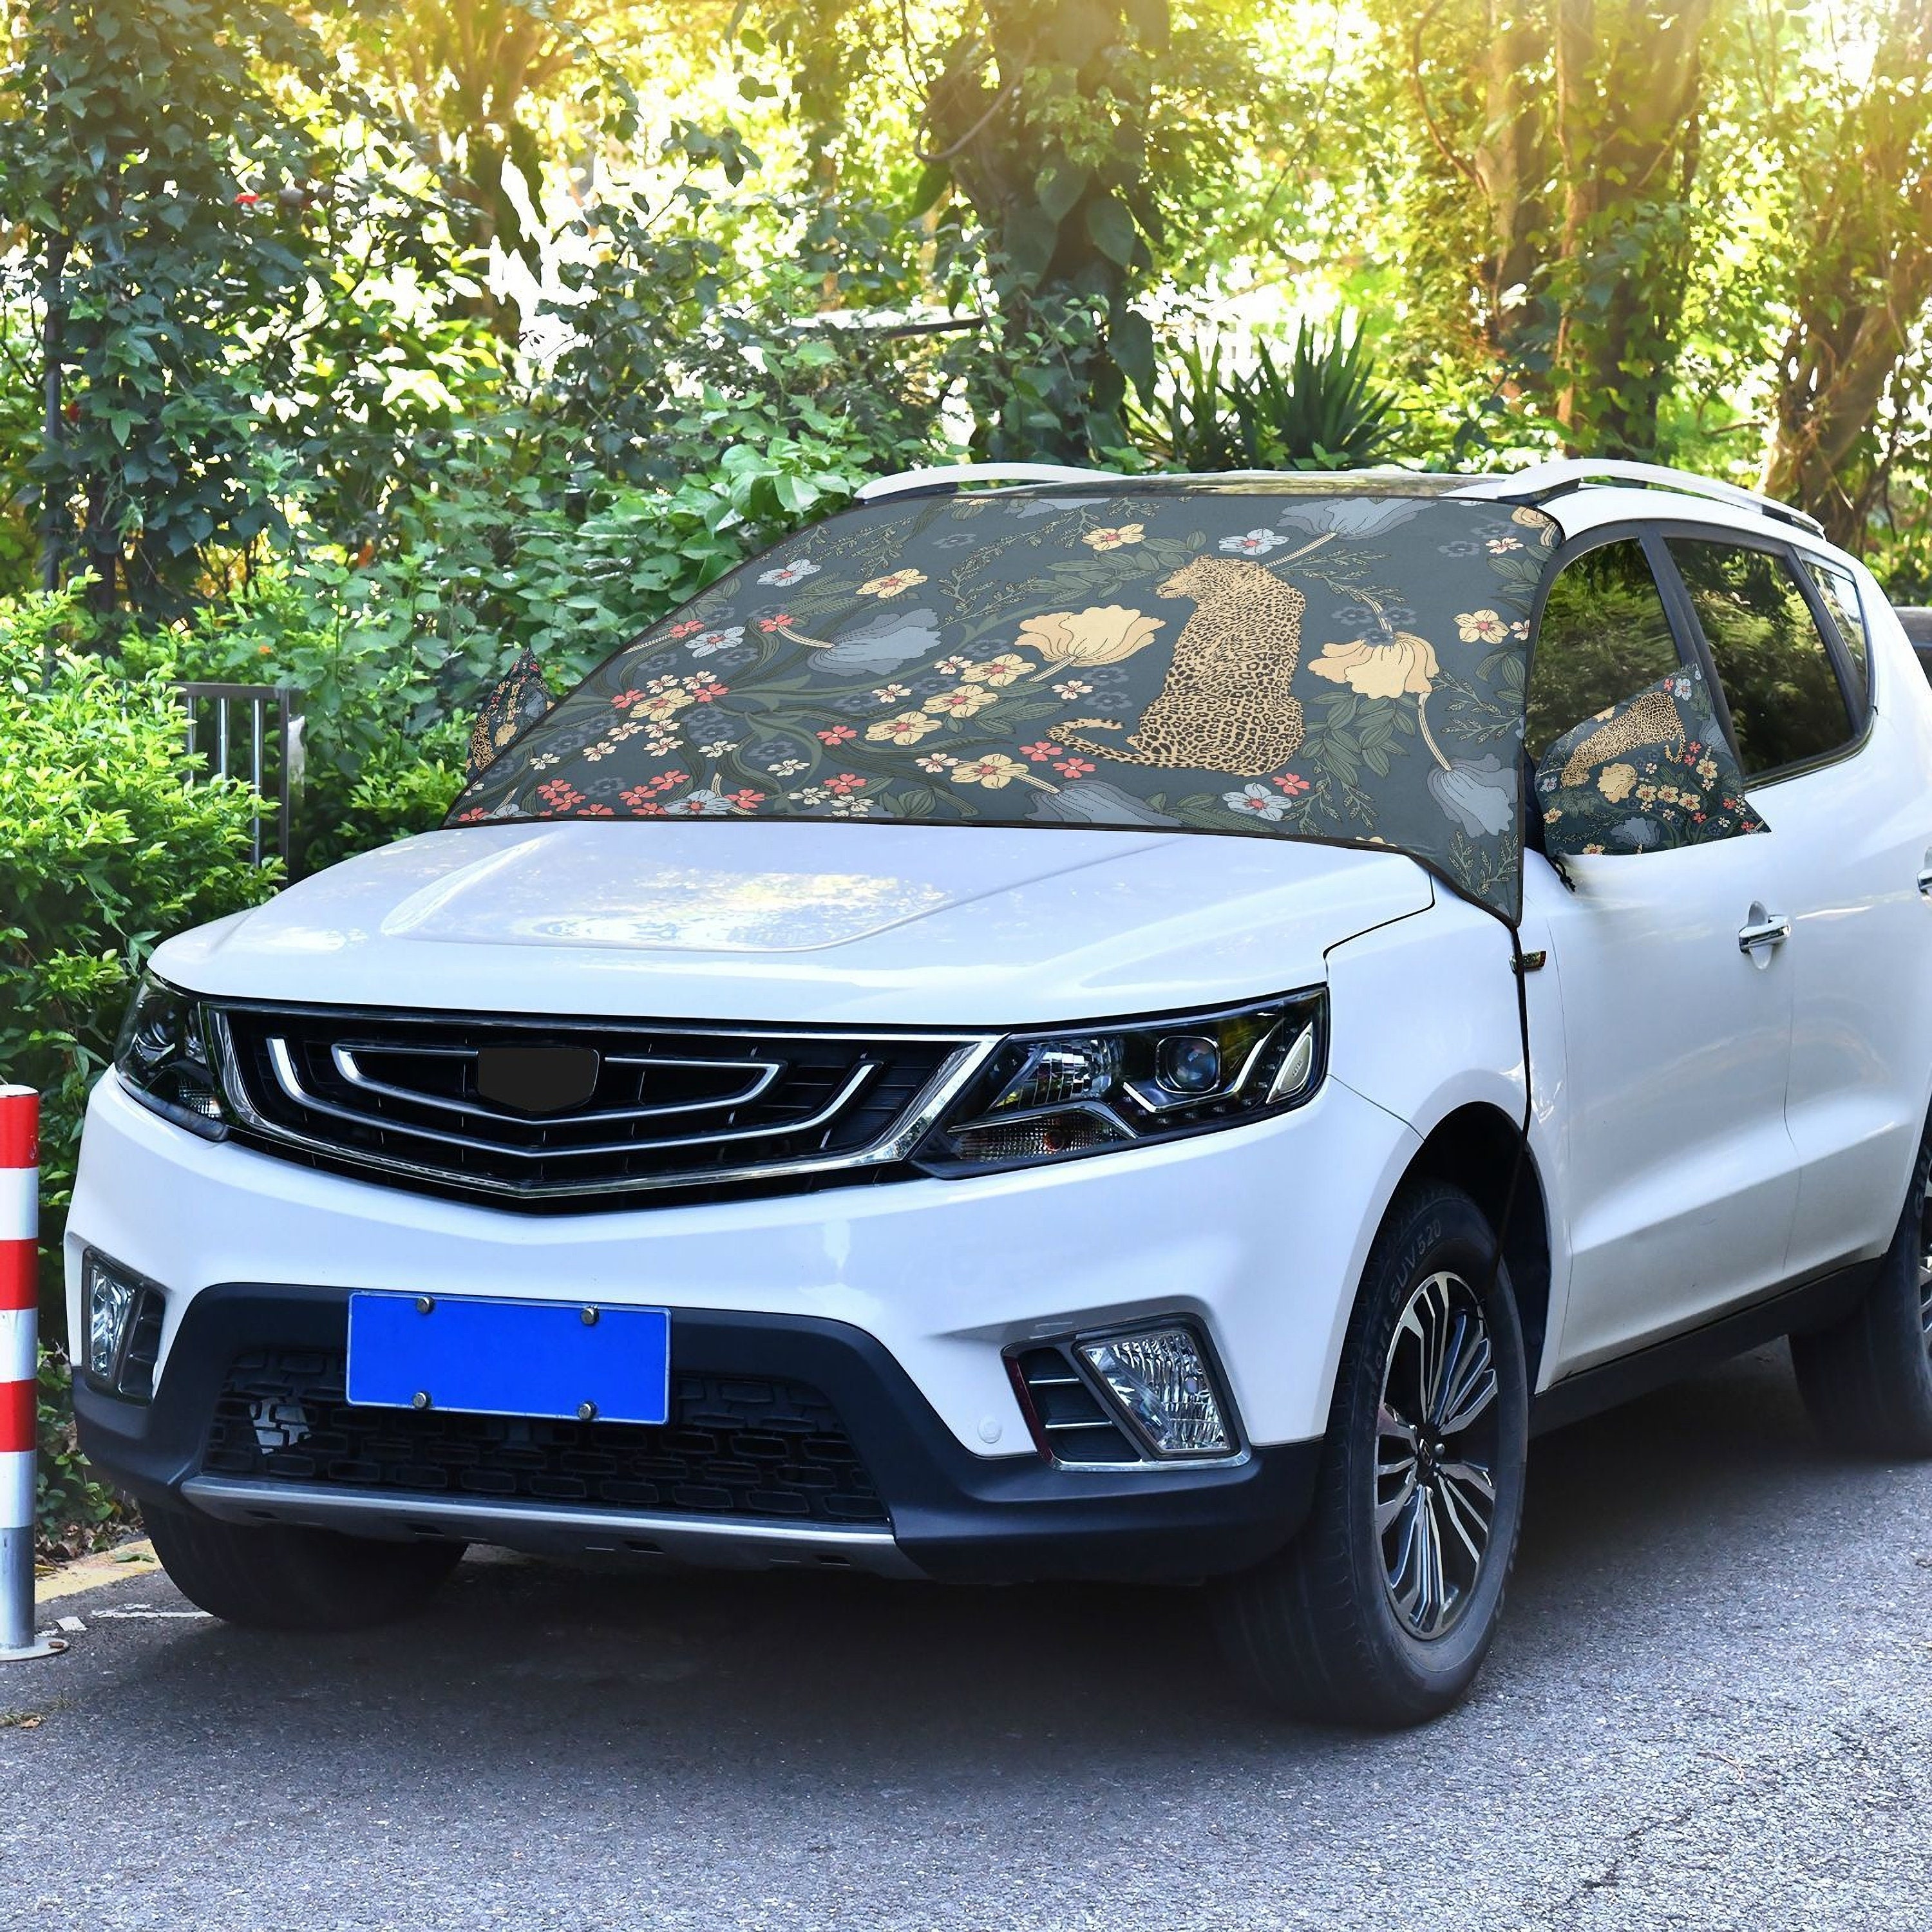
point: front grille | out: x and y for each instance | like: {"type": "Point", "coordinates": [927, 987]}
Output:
{"type": "Point", "coordinates": [735, 1447]}
{"type": "Point", "coordinates": [409, 1096]}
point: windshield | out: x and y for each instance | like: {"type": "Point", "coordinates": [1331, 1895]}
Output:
{"type": "Point", "coordinates": [1341, 667]}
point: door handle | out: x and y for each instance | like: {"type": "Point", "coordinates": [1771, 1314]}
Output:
{"type": "Point", "coordinates": [1773, 929]}
{"type": "Point", "coordinates": [1925, 882]}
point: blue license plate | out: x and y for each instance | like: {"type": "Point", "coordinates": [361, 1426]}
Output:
{"type": "Point", "coordinates": [570, 1360]}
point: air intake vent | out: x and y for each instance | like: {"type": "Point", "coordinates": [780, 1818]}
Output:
{"type": "Point", "coordinates": [735, 1447]}
{"type": "Point", "coordinates": [1074, 1423]}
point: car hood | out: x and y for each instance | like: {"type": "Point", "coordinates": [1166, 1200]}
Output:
{"type": "Point", "coordinates": [804, 920]}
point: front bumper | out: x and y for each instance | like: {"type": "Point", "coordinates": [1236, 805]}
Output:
{"type": "Point", "coordinates": [902, 1299]}
{"type": "Point", "coordinates": [952, 1516]}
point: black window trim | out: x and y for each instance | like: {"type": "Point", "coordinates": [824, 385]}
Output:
{"type": "Point", "coordinates": [1832, 628]}
{"type": "Point", "coordinates": [1657, 544]}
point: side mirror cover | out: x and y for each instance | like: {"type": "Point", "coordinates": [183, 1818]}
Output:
{"type": "Point", "coordinates": [1649, 774]}
{"type": "Point", "coordinates": [515, 704]}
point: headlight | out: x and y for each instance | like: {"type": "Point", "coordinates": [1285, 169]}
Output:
{"type": "Point", "coordinates": [162, 1060]}
{"type": "Point", "coordinates": [1052, 1096]}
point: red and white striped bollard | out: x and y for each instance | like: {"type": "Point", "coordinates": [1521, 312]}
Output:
{"type": "Point", "coordinates": [20, 1302]}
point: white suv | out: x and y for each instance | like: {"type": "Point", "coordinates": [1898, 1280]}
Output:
{"type": "Point", "coordinates": [1152, 1037]}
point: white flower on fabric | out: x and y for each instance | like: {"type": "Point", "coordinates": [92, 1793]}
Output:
{"type": "Point", "coordinates": [795, 571]}
{"type": "Point", "coordinates": [706, 642]}
{"type": "Point", "coordinates": [1257, 799]}
{"type": "Point", "coordinates": [707, 803]}
{"type": "Point", "coordinates": [1254, 543]}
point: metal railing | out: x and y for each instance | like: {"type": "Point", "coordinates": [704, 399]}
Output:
{"type": "Point", "coordinates": [268, 744]}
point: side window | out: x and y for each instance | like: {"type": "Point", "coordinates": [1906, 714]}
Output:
{"type": "Point", "coordinates": [1840, 595]}
{"type": "Point", "coordinates": [1777, 675]}
{"type": "Point", "coordinates": [1603, 637]}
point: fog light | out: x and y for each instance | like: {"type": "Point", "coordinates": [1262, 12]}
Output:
{"type": "Point", "coordinates": [122, 1316]}
{"type": "Point", "coordinates": [1161, 1381]}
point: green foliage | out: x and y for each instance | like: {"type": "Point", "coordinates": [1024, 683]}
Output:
{"type": "Point", "coordinates": [199, 262]}
{"type": "Point", "coordinates": [104, 851]}
{"type": "Point", "coordinates": [1323, 406]}
{"type": "Point", "coordinates": [74, 1512]}
{"type": "Point", "coordinates": [135, 128]}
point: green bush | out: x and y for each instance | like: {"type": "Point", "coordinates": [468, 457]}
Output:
{"type": "Point", "coordinates": [392, 654]}
{"type": "Point", "coordinates": [104, 851]}
{"type": "Point", "coordinates": [73, 1510]}
{"type": "Point", "coordinates": [1315, 403]}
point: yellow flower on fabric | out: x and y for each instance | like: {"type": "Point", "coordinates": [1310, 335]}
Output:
{"type": "Point", "coordinates": [1402, 663]}
{"type": "Point", "coordinates": [1100, 635]}
{"type": "Point", "coordinates": [1115, 537]}
{"type": "Point", "coordinates": [1001, 669]}
{"type": "Point", "coordinates": [961, 702]}
{"type": "Point", "coordinates": [891, 583]}
{"type": "Point", "coordinates": [1481, 627]}
{"type": "Point", "coordinates": [993, 771]}
{"type": "Point", "coordinates": [1616, 782]}
{"type": "Point", "coordinates": [665, 705]}
{"type": "Point", "coordinates": [907, 728]}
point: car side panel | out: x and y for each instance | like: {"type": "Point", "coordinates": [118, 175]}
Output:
{"type": "Point", "coordinates": [1425, 1021]}
{"type": "Point", "coordinates": [1854, 836]}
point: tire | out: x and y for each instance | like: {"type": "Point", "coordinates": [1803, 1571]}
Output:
{"type": "Point", "coordinates": [1337, 1628]}
{"type": "Point", "coordinates": [275, 1577]}
{"type": "Point", "coordinates": [1867, 1380]}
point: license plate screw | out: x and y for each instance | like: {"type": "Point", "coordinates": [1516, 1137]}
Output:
{"type": "Point", "coordinates": [586, 1411]}
{"type": "Point", "coordinates": [420, 1400]}
{"type": "Point", "coordinates": [425, 1302]}
{"type": "Point", "coordinates": [590, 1318]}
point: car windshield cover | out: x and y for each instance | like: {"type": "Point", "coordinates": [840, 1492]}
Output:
{"type": "Point", "coordinates": [1330, 665]}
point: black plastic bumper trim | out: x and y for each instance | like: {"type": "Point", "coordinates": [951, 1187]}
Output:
{"type": "Point", "coordinates": [956, 1517]}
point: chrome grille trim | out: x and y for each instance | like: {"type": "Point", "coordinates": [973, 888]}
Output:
{"type": "Point", "coordinates": [963, 1055]}
{"type": "Point", "coordinates": [343, 1053]}
{"type": "Point", "coordinates": [289, 1081]}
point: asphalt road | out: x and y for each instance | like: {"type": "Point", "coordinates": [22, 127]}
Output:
{"type": "Point", "coordinates": [1711, 1707]}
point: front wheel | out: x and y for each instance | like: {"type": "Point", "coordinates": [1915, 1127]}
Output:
{"type": "Point", "coordinates": [1867, 1380]}
{"type": "Point", "coordinates": [1382, 1610]}
{"type": "Point", "coordinates": [277, 1577]}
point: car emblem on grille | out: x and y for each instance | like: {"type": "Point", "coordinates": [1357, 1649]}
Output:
{"type": "Point", "coordinates": [537, 1079]}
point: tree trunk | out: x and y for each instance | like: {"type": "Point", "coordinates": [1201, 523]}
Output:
{"type": "Point", "coordinates": [1629, 93]}
{"type": "Point", "coordinates": [1861, 286]}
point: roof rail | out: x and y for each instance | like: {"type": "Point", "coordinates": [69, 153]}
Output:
{"type": "Point", "coordinates": [957, 476]}
{"type": "Point", "coordinates": [1543, 481]}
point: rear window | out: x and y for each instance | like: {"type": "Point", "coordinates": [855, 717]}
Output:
{"type": "Point", "coordinates": [1786, 703]}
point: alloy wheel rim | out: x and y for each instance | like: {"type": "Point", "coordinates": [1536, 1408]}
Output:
{"type": "Point", "coordinates": [1435, 1449]}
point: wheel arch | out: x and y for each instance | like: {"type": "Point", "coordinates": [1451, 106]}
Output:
{"type": "Point", "coordinates": [1479, 1148]}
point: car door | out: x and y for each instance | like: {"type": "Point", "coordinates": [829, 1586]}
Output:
{"type": "Point", "coordinates": [1680, 1178]}
{"type": "Point", "coordinates": [1847, 785]}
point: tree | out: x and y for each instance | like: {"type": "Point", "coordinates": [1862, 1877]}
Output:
{"type": "Point", "coordinates": [164, 191]}
{"type": "Point", "coordinates": [1572, 130]}
{"type": "Point", "coordinates": [1859, 252]}
{"type": "Point", "coordinates": [1056, 142]}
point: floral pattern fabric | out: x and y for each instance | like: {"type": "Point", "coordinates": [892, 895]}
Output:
{"type": "Point", "coordinates": [1344, 666]}
{"type": "Point", "coordinates": [1652, 773]}
{"type": "Point", "coordinates": [512, 705]}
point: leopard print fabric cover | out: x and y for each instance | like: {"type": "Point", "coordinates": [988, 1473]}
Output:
{"type": "Point", "coordinates": [1647, 774]}
{"type": "Point", "coordinates": [1293, 660]}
